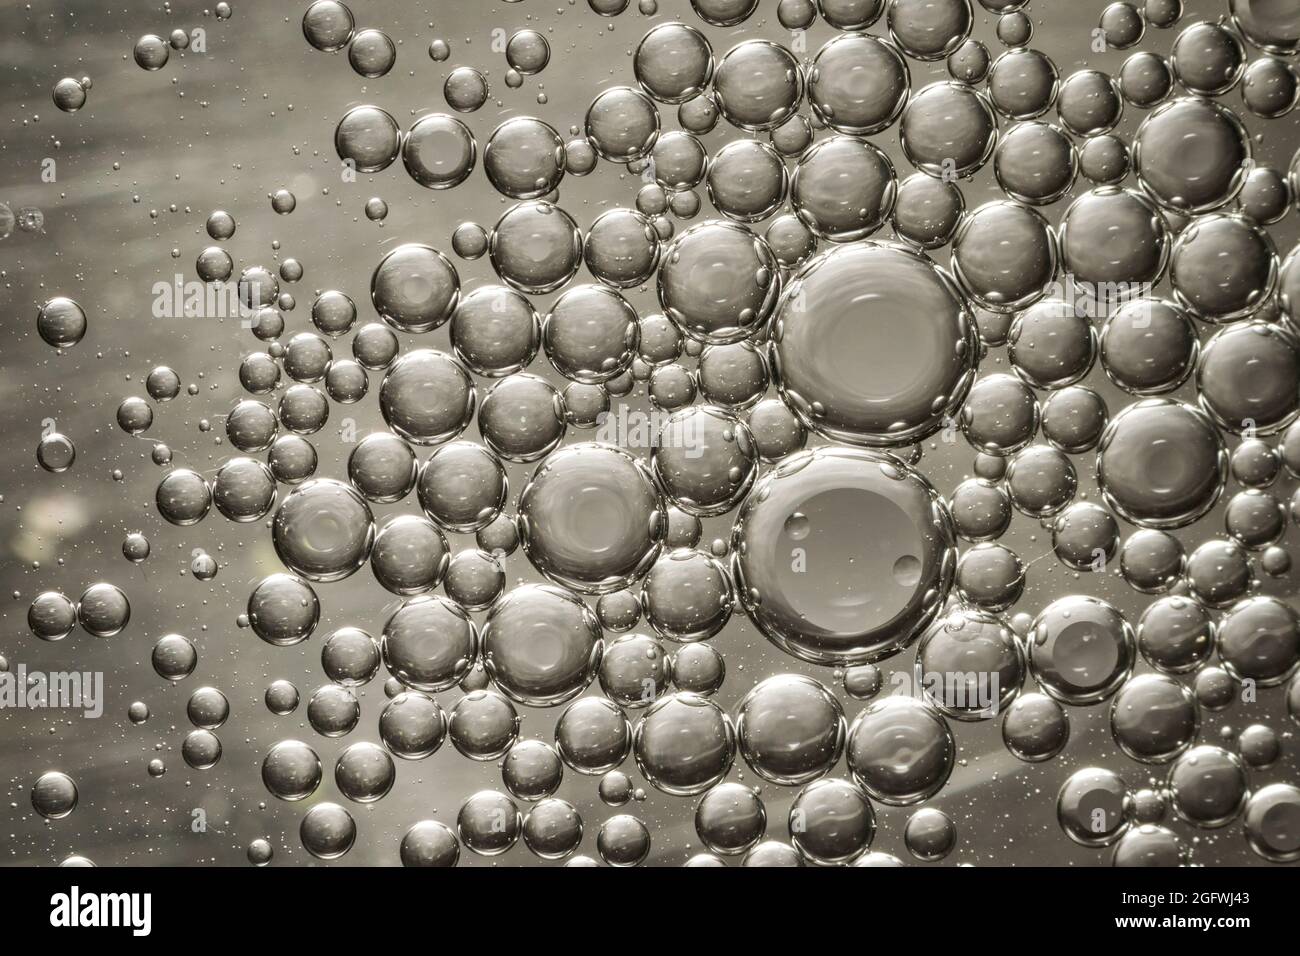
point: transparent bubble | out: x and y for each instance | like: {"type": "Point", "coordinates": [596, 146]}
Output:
{"type": "Point", "coordinates": [430, 843]}
{"type": "Point", "coordinates": [542, 646]}
{"type": "Point", "coordinates": [1148, 346]}
{"type": "Point", "coordinates": [414, 288]}
{"type": "Point", "coordinates": [791, 523]}
{"type": "Point", "coordinates": [1035, 728]}
{"type": "Point", "coordinates": [483, 725]}
{"type": "Point", "coordinates": [684, 744]}
{"type": "Point", "coordinates": [429, 643]}
{"type": "Point", "coordinates": [673, 62]}
{"type": "Point", "coordinates": [1094, 807]}
{"type": "Point", "coordinates": [367, 139]}
{"type": "Point", "coordinates": [593, 736]}
{"type": "Point", "coordinates": [61, 322]}
{"type": "Point", "coordinates": [883, 388]}
{"type": "Point", "coordinates": [1081, 649]}
{"type": "Point", "coordinates": [1004, 256]}
{"type": "Point", "coordinates": [1161, 464]}
{"type": "Point", "coordinates": [900, 751]}
{"type": "Point", "coordinates": [1208, 786]}
{"type": "Point", "coordinates": [1223, 267]}
{"type": "Point", "coordinates": [612, 539]}
{"type": "Point", "coordinates": [1185, 180]}
{"type": "Point", "coordinates": [790, 729]}
{"type": "Point", "coordinates": [970, 664]}
{"type": "Point", "coordinates": [718, 282]}
{"type": "Point", "coordinates": [757, 85]}
{"type": "Point", "coordinates": [524, 158]}
{"type": "Point", "coordinates": [522, 418]}
{"type": "Point", "coordinates": [427, 397]}
{"type": "Point", "coordinates": [535, 247]}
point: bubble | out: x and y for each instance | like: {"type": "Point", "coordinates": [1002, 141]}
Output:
{"type": "Point", "coordinates": [1035, 728]}
{"type": "Point", "coordinates": [858, 84]}
{"type": "Point", "coordinates": [524, 158]}
{"type": "Point", "coordinates": [1247, 377]}
{"type": "Point", "coordinates": [483, 725]}
{"type": "Point", "coordinates": [843, 188]}
{"type": "Point", "coordinates": [292, 459]}
{"type": "Point", "coordinates": [718, 282]}
{"type": "Point", "coordinates": [1081, 649]}
{"type": "Point", "coordinates": [465, 90]}
{"type": "Point", "coordinates": [1208, 786]}
{"type": "Point", "coordinates": [367, 139]}
{"type": "Point", "coordinates": [592, 736]}
{"type": "Point", "coordinates": [552, 829]}
{"type": "Point", "coordinates": [103, 610]}
{"type": "Point", "coordinates": [427, 397]}
{"type": "Point", "coordinates": [820, 616]}
{"type": "Point", "coordinates": [1222, 267]}
{"type": "Point", "coordinates": [474, 579]}
{"type": "Point", "coordinates": [1022, 83]}
{"type": "Point", "coordinates": [730, 819]}
{"type": "Point", "coordinates": [1085, 536]}
{"type": "Point", "coordinates": [757, 85]}
{"type": "Point", "coordinates": [323, 531]}
{"type": "Point", "coordinates": [1259, 746]}
{"type": "Point", "coordinates": [55, 453]}
{"type": "Point", "coordinates": [1191, 180]}
{"type": "Point", "coordinates": [327, 831]}
{"type": "Point", "coordinates": [541, 645]}
{"type": "Point", "coordinates": [1114, 241]}
{"type": "Point", "coordinates": [1161, 464]}
{"type": "Point", "coordinates": [528, 52]}
{"type": "Point", "coordinates": [51, 616]}
{"type": "Point", "coordinates": [439, 151]}
{"type": "Point", "coordinates": [328, 25]}
{"type": "Point", "coordinates": [1148, 346]}
{"type": "Point", "coordinates": [927, 211]}
{"type": "Point", "coordinates": [535, 247]}
{"type": "Point", "coordinates": [673, 62]}
{"type": "Point", "coordinates": [462, 486]}
{"type": "Point", "coordinates": [183, 497]}
{"type": "Point", "coordinates": [900, 751]}
{"type": "Point", "coordinates": [69, 95]}
{"type": "Point", "coordinates": [1259, 640]}
{"type": "Point", "coordinates": [1255, 519]}
{"type": "Point", "coordinates": [488, 823]}
{"type": "Point", "coordinates": [1041, 481]}
{"type": "Point", "coordinates": [1004, 256]}
{"type": "Point", "coordinates": [612, 539]}
{"type": "Point", "coordinates": [850, 15]}
{"type": "Point", "coordinates": [590, 334]}
{"type": "Point", "coordinates": [687, 595]}
{"type": "Point", "coordinates": [1271, 816]}
{"type": "Point", "coordinates": [684, 744]}
{"type": "Point", "coordinates": [430, 843]}
{"type": "Point", "coordinates": [1094, 807]}
{"type": "Point", "coordinates": [1000, 415]}
{"type": "Point", "coordinates": [622, 248]}
{"type": "Point", "coordinates": [429, 643]}
{"type": "Point", "coordinates": [54, 795]}
{"type": "Point", "coordinates": [990, 576]}
{"type": "Point", "coordinates": [882, 388]}
{"type": "Point", "coordinates": [929, 835]}
{"type": "Point", "coordinates": [980, 510]}
{"type": "Point", "coordinates": [61, 322]}
{"type": "Point", "coordinates": [622, 124]}
{"type": "Point", "coordinates": [1151, 561]}
{"type": "Point", "coordinates": [174, 657]}
{"type": "Point", "coordinates": [134, 415]}
{"type": "Point", "coordinates": [151, 52]}
{"type": "Point", "coordinates": [1074, 418]}
{"type": "Point", "coordinates": [415, 288]}
{"type": "Point", "coordinates": [969, 664]}
{"type": "Point", "coordinates": [522, 418]}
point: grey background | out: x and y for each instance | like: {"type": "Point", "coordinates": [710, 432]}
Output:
{"type": "Point", "coordinates": [223, 130]}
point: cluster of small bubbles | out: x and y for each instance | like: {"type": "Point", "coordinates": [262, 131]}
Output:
{"type": "Point", "coordinates": [802, 368]}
